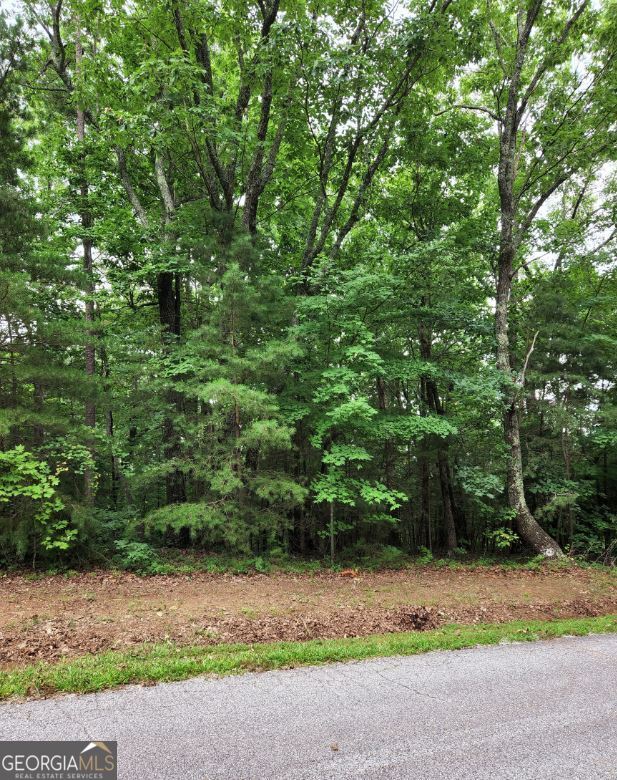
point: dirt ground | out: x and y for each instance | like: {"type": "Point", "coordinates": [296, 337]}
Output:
{"type": "Point", "coordinates": [56, 617]}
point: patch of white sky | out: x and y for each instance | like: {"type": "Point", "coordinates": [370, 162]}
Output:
{"type": "Point", "coordinates": [11, 8]}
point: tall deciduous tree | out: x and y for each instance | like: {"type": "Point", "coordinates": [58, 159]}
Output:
{"type": "Point", "coordinates": [550, 125]}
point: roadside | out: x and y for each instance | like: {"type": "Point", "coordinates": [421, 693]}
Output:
{"type": "Point", "coordinates": [166, 662]}
{"type": "Point", "coordinates": [484, 713]}
{"type": "Point", "coordinates": [58, 617]}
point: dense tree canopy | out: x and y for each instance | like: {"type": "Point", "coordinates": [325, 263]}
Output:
{"type": "Point", "coordinates": [305, 274]}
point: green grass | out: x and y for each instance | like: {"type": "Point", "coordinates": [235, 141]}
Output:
{"type": "Point", "coordinates": [166, 662]}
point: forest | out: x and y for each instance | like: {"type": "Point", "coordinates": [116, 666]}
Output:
{"type": "Point", "coordinates": [312, 278]}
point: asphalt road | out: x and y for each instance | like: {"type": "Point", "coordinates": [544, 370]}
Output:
{"type": "Point", "coordinates": [543, 710]}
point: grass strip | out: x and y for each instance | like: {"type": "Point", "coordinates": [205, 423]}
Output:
{"type": "Point", "coordinates": [166, 662]}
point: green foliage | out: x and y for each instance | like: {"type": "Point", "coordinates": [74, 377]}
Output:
{"type": "Point", "coordinates": [219, 526]}
{"type": "Point", "coordinates": [137, 557]}
{"type": "Point", "coordinates": [502, 538]}
{"type": "Point", "coordinates": [375, 556]}
{"type": "Point", "coordinates": [30, 506]}
{"type": "Point", "coordinates": [286, 335]}
{"type": "Point", "coordinates": [425, 556]}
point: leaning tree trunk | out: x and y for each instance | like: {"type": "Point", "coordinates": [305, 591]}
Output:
{"type": "Point", "coordinates": [528, 528]}
{"type": "Point", "coordinates": [509, 240]}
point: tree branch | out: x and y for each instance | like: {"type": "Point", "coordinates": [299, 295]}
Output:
{"type": "Point", "coordinates": [484, 110]}
{"type": "Point", "coordinates": [542, 67]}
{"type": "Point", "coordinates": [134, 200]}
{"type": "Point", "coordinates": [531, 348]}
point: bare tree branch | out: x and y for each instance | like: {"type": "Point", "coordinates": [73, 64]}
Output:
{"type": "Point", "coordinates": [521, 380]}
{"type": "Point", "coordinates": [134, 200]}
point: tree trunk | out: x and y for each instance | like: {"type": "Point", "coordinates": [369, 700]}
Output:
{"type": "Point", "coordinates": [443, 466]}
{"type": "Point", "coordinates": [425, 502]}
{"type": "Point", "coordinates": [109, 415]}
{"type": "Point", "coordinates": [332, 533]}
{"type": "Point", "coordinates": [389, 450]}
{"type": "Point", "coordinates": [433, 403]}
{"type": "Point", "coordinates": [39, 399]}
{"type": "Point", "coordinates": [528, 528]}
{"type": "Point", "coordinates": [509, 240]}
{"type": "Point", "coordinates": [446, 498]}
{"type": "Point", "coordinates": [86, 224]}
{"type": "Point", "coordinates": [567, 461]}
{"type": "Point", "coordinates": [168, 293]}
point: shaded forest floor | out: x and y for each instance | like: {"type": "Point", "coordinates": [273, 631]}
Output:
{"type": "Point", "coordinates": [61, 617]}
